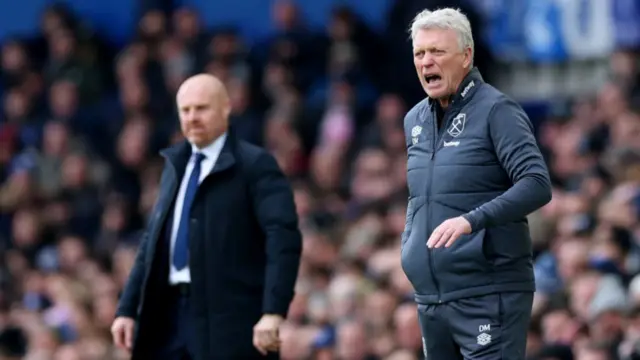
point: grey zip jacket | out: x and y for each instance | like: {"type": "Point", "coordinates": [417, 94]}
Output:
{"type": "Point", "coordinates": [484, 164]}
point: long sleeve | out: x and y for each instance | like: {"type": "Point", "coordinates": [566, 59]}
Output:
{"type": "Point", "coordinates": [516, 148]}
{"type": "Point", "coordinates": [276, 212]}
{"type": "Point", "coordinates": [130, 299]}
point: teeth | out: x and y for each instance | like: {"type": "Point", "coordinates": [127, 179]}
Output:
{"type": "Point", "coordinates": [431, 78]}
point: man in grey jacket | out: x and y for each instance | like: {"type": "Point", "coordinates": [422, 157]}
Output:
{"type": "Point", "coordinates": [474, 174]}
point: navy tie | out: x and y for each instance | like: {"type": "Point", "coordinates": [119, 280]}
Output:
{"type": "Point", "coordinates": [181, 249]}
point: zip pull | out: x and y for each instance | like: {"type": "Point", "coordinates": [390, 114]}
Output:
{"type": "Point", "coordinates": [432, 155]}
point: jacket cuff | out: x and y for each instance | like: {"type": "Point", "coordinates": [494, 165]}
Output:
{"type": "Point", "coordinates": [129, 313]}
{"type": "Point", "coordinates": [475, 219]}
{"type": "Point", "coordinates": [272, 306]}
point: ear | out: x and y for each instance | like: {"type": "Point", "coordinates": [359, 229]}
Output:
{"type": "Point", "coordinates": [468, 58]}
{"type": "Point", "coordinates": [227, 109]}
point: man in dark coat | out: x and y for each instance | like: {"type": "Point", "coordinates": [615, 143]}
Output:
{"type": "Point", "coordinates": [216, 268]}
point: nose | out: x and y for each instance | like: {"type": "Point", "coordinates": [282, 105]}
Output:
{"type": "Point", "coordinates": [427, 60]}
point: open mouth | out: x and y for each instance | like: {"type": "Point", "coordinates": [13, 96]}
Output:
{"type": "Point", "coordinates": [431, 78]}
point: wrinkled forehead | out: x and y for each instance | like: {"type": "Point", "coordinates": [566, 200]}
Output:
{"type": "Point", "coordinates": [435, 38]}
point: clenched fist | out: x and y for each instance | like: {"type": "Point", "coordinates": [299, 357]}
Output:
{"type": "Point", "coordinates": [266, 333]}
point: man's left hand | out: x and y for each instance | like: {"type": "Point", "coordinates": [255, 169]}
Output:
{"type": "Point", "coordinates": [448, 232]}
{"type": "Point", "coordinates": [266, 333]}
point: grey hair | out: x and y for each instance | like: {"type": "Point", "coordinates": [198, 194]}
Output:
{"type": "Point", "coordinates": [446, 19]}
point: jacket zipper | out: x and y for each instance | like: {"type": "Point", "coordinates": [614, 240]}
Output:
{"type": "Point", "coordinates": [165, 212]}
{"type": "Point", "coordinates": [430, 181]}
{"type": "Point", "coordinates": [437, 140]}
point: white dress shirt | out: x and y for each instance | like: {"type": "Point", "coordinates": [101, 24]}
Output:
{"type": "Point", "coordinates": [211, 153]}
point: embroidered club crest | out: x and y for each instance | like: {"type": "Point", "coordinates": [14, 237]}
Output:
{"type": "Point", "coordinates": [457, 125]}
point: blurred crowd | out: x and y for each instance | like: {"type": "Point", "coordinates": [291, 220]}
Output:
{"type": "Point", "coordinates": [82, 123]}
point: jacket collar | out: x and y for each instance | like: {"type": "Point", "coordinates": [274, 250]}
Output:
{"type": "Point", "coordinates": [213, 150]}
{"type": "Point", "coordinates": [178, 155]}
{"type": "Point", "coordinates": [467, 88]}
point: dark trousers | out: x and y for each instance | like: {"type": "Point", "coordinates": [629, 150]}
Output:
{"type": "Point", "coordinates": [175, 330]}
{"type": "Point", "coordinates": [490, 327]}
{"type": "Point", "coordinates": [169, 332]}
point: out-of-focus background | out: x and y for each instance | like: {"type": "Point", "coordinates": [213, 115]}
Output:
{"type": "Point", "coordinates": [87, 93]}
